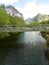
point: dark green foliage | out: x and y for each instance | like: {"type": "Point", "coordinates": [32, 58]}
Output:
{"type": "Point", "coordinates": [4, 17]}
{"type": "Point", "coordinates": [3, 6]}
{"type": "Point", "coordinates": [45, 22]}
{"type": "Point", "coordinates": [34, 23]}
{"type": "Point", "coordinates": [17, 21]}
{"type": "Point", "coordinates": [40, 23]}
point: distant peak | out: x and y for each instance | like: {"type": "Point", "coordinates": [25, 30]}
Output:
{"type": "Point", "coordinates": [39, 13]}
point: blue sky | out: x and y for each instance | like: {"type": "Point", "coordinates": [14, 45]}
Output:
{"type": "Point", "coordinates": [21, 3]}
{"type": "Point", "coordinates": [29, 8]}
{"type": "Point", "coordinates": [42, 1]}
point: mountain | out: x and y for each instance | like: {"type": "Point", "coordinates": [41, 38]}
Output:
{"type": "Point", "coordinates": [38, 18]}
{"type": "Point", "coordinates": [13, 12]}
{"type": "Point", "coordinates": [27, 21]}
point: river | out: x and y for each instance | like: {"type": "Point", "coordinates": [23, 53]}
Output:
{"type": "Point", "coordinates": [26, 48]}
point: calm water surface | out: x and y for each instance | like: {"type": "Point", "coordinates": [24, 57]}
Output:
{"type": "Point", "coordinates": [26, 48]}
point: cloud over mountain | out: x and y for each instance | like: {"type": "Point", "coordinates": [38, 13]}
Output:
{"type": "Point", "coordinates": [31, 9]}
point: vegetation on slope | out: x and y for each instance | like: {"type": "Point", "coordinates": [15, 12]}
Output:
{"type": "Point", "coordinates": [17, 21]}
{"type": "Point", "coordinates": [6, 19]}
{"type": "Point", "coordinates": [40, 23]}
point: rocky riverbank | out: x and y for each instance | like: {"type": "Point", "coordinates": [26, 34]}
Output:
{"type": "Point", "coordinates": [45, 34]}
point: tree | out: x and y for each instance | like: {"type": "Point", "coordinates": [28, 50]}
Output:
{"type": "Point", "coordinates": [4, 17]}
{"type": "Point", "coordinates": [17, 21]}
{"type": "Point", "coordinates": [3, 6]}
{"type": "Point", "coordinates": [45, 22]}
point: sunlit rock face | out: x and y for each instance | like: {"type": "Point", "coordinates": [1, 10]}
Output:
{"type": "Point", "coordinates": [38, 18]}
{"type": "Point", "coordinates": [13, 12]}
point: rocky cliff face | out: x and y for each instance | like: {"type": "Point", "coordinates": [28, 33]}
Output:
{"type": "Point", "coordinates": [13, 12]}
{"type": "Point", "coordinates": [38, 18]}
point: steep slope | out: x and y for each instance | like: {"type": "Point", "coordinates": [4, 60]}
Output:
{"type": "Point", "coordinates": [38, 18]}
{"type": "Point", "coordinates": [13, 12]}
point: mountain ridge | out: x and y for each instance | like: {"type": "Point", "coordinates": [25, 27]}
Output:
{"type": "Point", "coordinates": [38, 18]}
{"type": "Point", "coordinates": [11, 10]}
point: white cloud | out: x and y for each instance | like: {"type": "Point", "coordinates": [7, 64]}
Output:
{"type": "Point", "coordinates": [34, 0]}
{"type": "Point", "coordinates": [31, 9]}
{"type": "Point", "coordinates": [44, 9]}
{"type": "Point", "coordinates": [8, 1]}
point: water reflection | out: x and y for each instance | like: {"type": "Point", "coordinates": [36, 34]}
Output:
{"type": "Point", "coordinates": [24, 49]}
{"type": "Point", "coordinates": [31, 37]}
